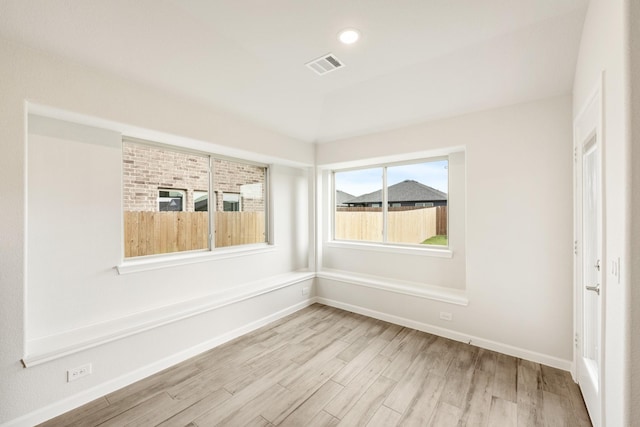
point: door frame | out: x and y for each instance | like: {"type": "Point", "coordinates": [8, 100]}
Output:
{"type": "Point", "coordinates": [581, 136]}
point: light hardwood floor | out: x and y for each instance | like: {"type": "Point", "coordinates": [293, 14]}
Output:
{"type": "Point", "coordinates": [326, 367]}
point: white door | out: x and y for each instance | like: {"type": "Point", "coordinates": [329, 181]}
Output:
{"type": "Point", "coordinates": [589, 257]}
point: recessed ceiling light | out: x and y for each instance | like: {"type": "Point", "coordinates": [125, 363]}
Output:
{"type": "Point", "coordinates": [349, 36]}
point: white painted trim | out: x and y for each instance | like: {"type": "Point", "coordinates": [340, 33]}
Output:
{"type": "Point", "coordinates": [154, 262]}
{"type": "Point", "coordinates": [533, 356]}
{"type": "Point", "coordinates": [53, 347]}
{"type": "Point", "coordinates": [396, 158]}
{"type": "Point", "coordinates": [414, 289]}
{"type": "Point", "coordinates": [391, 248]}
{"type": "Point", "coordinates": [25, 219]}
{"type": "Point", "coordinates": [87, 396]}
{"type": "Point", "coordinates": [596, 127]}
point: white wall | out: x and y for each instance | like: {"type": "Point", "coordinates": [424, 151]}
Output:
{"type": "Point", "coordinates": [518, 249]}
{"type": "Point", "coordinates": [71, 282]}
{"type": "Point", "coordinates": [74, 224]}
{"type": "Point", "coordinates": [603, 48]}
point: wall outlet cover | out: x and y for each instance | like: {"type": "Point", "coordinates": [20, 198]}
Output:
{"type": "Point", "coordinates": [444, 315]}
{"type": "Point", "coordinates": [79, 372]}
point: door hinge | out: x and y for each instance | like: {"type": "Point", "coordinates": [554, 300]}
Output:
{"type": "Point", "coordinates": [575, 247]}
{"type": "Point", "coordinates": [576, 340]}
{"type": "Point", "coordinates": [575, 154]}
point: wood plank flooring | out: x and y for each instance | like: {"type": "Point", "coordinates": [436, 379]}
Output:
{"type": "Point", "coordinates": [326, 367]}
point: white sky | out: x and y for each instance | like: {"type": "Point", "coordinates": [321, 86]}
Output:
{"type": "Point", "coordinates": [363, 181]}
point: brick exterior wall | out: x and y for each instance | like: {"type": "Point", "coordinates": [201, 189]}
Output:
{"type": "Point", "coordinates": [147, 169]}
{"type": "Point", "coordinates": [229, 177]}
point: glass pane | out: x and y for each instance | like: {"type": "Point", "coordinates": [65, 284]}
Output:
{"type": "Point", "coordinates": [201, 201]}
{"type": "Point", "coordinates": [418, 199]}
{"type": "Point", "coordinates": [240, 203]}
{"type": "Point", "coordinates": [169, 200]}
{"type": "Point", "coordinates": [165, 200]}
{"type": "Point", "coordinates": [358, 197]}
{"type": "Point", "coordinates": [230, 202]}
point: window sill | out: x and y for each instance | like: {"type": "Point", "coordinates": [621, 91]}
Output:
{"type": "Point", "coordinates": [389, 248]}
{"type": "Point", "coordinates": [154, 262]}
{"type": "Point", "coordinates": [421, 290]}
{"type": "Point", "coordinates": [45, 349]}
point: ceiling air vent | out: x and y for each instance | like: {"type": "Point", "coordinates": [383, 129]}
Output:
{"type": "Point", "coordinates": [325, 64]}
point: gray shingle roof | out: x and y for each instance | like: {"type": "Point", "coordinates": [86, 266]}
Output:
{"type": "Point", "coordinates": [342, 197]}
{"type": "Point", "coordinates": [405, 191]}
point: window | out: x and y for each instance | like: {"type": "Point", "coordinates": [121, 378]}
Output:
{"type": "Point", "coordinates": [166, 200]}
{"type": "Point", "coordinates": [240, 202]}
{"type": "Point", "coordinates": [201, 201]}
{"type": "Point", "coordinates": [360, 217]}
{"type": "Point", "coordinates": [230, 202]}
{"type": "Point", "coordinates": [395, 203]}
{"type": "Point", "coordinates": [170, 200]}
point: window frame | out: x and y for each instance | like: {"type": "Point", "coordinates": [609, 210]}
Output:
{"type": "Point", "coordinates": [239, 201]}
{"type": "Point", "coordinates": [152, 261]}
{"type": "Point", "coordinates": [183, 200]}
{"type": "Point", "coordinates": [195, 199]}
{"type": "Point", "coordinates": [384, 244]}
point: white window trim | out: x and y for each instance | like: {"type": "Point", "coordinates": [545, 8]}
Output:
{"type": "Point", "coordinates": [384, 246]}
{"type": "Point", "coordinates": [430, 250]}
{"type": "Point", "coordinates": [157, 261]}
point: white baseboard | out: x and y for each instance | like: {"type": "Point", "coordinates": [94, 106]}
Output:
{"type": "Point", "coordinates": [87, 396]}
{"type": "Point", "coordinates": [533, 356]}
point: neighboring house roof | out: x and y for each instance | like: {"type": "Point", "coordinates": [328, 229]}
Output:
{"type": "Point", "coordinates": [405, 191]}
{"type": "Point", "coordinates": [342, 197]}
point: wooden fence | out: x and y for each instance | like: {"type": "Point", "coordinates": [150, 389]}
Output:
{"type": "Point", "coordinates": [239, 228]}
{"type": "Point", "coordinates": [151, 233]}
{"type": "Point", "coordinates": [403, 225]}
{"type": "Point", "coordinates": [441, 220]}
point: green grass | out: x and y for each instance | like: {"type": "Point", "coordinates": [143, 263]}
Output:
{"type": "Point", "coordinates": [437, 240]}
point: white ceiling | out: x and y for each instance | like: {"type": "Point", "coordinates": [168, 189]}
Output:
{"type": "Point", "coordinates": [417, 59]}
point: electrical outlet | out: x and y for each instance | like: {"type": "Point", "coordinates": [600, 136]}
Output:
{"type": "Point", "coordinates": [79, 372]}
{"type": "Point", "coordinates": [305, 291]}
{"type": "Point", "coordinates": [444, 315]}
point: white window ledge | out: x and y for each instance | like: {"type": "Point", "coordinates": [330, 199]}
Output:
{"type": "Point", "coordinates": [154, 262]}
{"type": "Point", "coordinates": [45, 349]}
{"type": "Point", "coordinates": [421, 290]}
{"type": "Point", "coordinates": [390, 248]}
